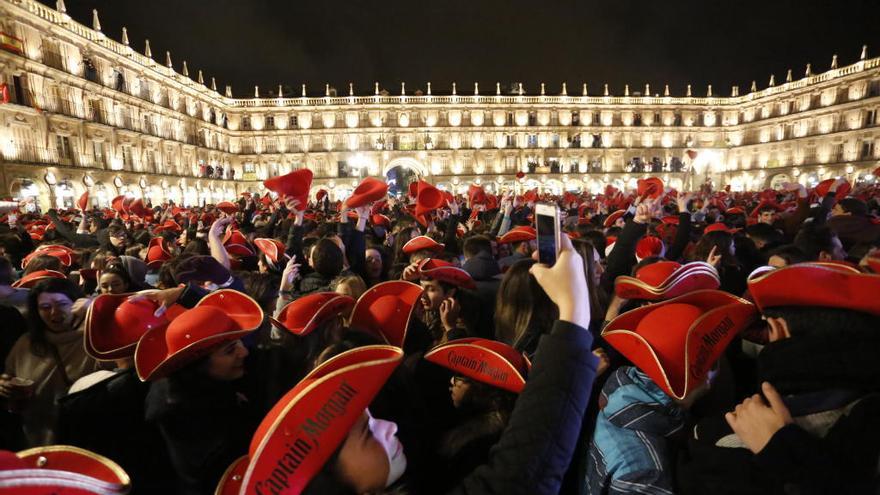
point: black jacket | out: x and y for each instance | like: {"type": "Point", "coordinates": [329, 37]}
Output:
{"type": "Point", "coordinates": [536, 448]}
{"type": "Point", "coordinates": [108, 418]}
{"type": "Point", "coordinates": [831, 385]}
{"type": "Point", "coordinates": [205, 425]}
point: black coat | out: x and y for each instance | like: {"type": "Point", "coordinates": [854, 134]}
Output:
{"type": "Point", "coordinates": [205, 424]}
{"type": "Point", "coordinates": [831, 385]}
{"type": "Point", "coordinates": [108, 418]}
{"type": "Point", "coordinates": [536, 448]}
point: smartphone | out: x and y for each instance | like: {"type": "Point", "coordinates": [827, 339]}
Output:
{"type": "Point", "coordinates": [547, 226]}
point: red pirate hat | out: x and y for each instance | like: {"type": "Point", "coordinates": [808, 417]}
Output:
{"type": "Point", "coordinates": [429, 198]}
{"type": "Point", "coordinates": [652, 187]}
{"type": "Point", "coordinates": [227, 207]}
{"type": "Point", "coordinates": [138, 208]}
{"type": "Point", "coordinates": [476, 195]}
{"type": "Point", "coordinates": [384, 310]}
{"type": "Point", "coordinates": [236, 243]}
{"type": "Point", "coordinates": [83, 201]}
{"type": "Point", "coordinates": [530, 196]}
{"type": "Point", "coordinates": [519, 234]}
{"type": "Point", "coordinates": [157, 255]}
{"type": "Point", "coordinates": [719, 227]}
{"type": "Point", "coordinates": [520, 175]}
{"type": "Point", "coordinates": [676, 342]}
{"type": "Point", "coordinates": [445, 271]}
{"type": "Point", "coordinates": [736, 210]}
{"type": "Point", "coordinates": [170, 226]}
{"type": "Point", "coordinates": [609, 221]}
{"type": "Point", "coordinates": [321, 194]}
{"type": "Point", "coordinates": [649, 246]}
{"type": "Point", "coordinates": [115, 323]}
{"type": "Point", "coordinates": [222, 316]}
{"type": "Point", "coordinates": [823, 187]}
{"type": "Point", "coordinates": [272, 248]}
{"type": "Point", "coordinates": [118, 204]}
{"type": "Point", "coordinates": [670, 220]}
{"type": "Point", "coordinates": [569, 198]}
{"type": "Point", "coordinates": [63, 253]}
{"type": "Point", "coordinates": [230, 482]}
{"type": "Point", "coordinates": [31, 279]}
{"type": "Point", "coordinates": [303, 315]}
{"type": "Point", "coordinates": [366, 192]}
{"type": "Point", "coordinates": [338, 392]}
{"type": "Point", "coordinates": [54, 461]}
{"type": "Point", "coordinates": [380, 220]}
{"type": "Point", "coordinates": [422, 242]}
{"type": "Point", "coordinates": [874, 264]}
{"type": "Point", "coordinates": [824, 285]}
{"type": "Point", "coordinates": [667, 280]}
{"type": "Point", "coordinates": [295, 184]}
{"type": "Point", "coordinates": [486, 361]}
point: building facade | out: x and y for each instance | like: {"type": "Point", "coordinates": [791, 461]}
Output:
{"type": "Point", "coordinates": [82, 111]}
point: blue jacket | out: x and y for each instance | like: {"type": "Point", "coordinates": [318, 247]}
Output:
{"type": "Point", "coordinates": [629, 452]}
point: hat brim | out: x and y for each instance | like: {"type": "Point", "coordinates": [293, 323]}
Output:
{"type": "Point", "coordinates": [472, 358]}
{"type": "Point", "coordinates": [152, 358]}
{"type": "Point", "coordinates": [723, 316]}
{"type": "Point", "coordinates": [33, 278]}
{"type": "Point", "coordinates": [335, 306]}
{"type": "Point", "coordinates": [385, 310]}
{"type": "Point", "coordinates": [338, 391]}
{"type": "Point", "coordinates": [688, 278]}
{"type": "Point", "coordinates": [449, 274]}
{"type": "Point", "coordinates": [827, 285]}
{"type": "Point", "coordinates": [72, 459]}
{"type": "Point", "coordinates": [230, 482]}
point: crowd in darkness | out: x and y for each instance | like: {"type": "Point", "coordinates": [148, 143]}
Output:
{"type": "Point", "coordinates": [682, 342]}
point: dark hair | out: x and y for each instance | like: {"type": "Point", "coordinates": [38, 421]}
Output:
{"type": "Point", "coordinates": [523, 311]}
{"type": "Point", "coordinates": [43, 262]}
{"type": "Point", "coordinates": [720, 240]}
{"type": "Point", "coordinates": [765, 233]}
{"type": "Point", "coordinates": [813, 239]}
{"type": "Point", "coordinates": [811, 320]}
{"type": "Point", "coordinates": [37, 327]}
{"type": "Point", "coordinates": [327, 258]}
{"type": "Point", "coordinates": [198, 246]}
{"type": "Point", "coordinates": [262, 287]}
{"type": "Point", "coordinates": [790, 253]}
{"type": "Point", "coordinates": [7, 274]}
{"type": "Point", "coordinates": [475, 245]}
{"type": "Point", "coordinates": [597, 239]}
{"type": "Point", "coordinates": [854, 206]}
{"type": "Point", "coordinates": [115, 268]}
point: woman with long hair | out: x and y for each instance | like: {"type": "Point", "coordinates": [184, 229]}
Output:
{"type": "Point", "coordinates": [46, 361]}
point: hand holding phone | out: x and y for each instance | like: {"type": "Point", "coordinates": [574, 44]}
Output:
{"type": "Point", "coordinates": [548, 229]}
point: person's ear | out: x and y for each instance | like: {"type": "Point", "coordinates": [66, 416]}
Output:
{"type": "Point", "coordinates": [825, 256]}
{"type": "Point", "coordinates": [778, 329]}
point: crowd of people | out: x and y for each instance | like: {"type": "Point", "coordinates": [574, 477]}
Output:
{"type": "Point", "coordinates": [694, 343]}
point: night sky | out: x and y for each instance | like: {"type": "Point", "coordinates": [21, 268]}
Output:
{"type": "Point", "coordinates": [271, 42]}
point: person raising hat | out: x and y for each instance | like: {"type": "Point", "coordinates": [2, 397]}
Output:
{"type": "Point", "coordinates": [444, 287]}
{"type": "Point", "coordinates": [811, 428]}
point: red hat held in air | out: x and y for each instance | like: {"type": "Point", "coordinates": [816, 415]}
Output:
{"type": "Point", "coordinates": [295, 185]}
{"type": "Point", "coordinates": [116, 322]}
{"type": "Point", "coordinates": [369, 190]}
{"type": "Point", "coordinates": [652, 187]}
{"type": "Point", "coordinates": [676, 342]}
{"type": "Point", "coordinates": [428, 198]}
{"type": "Point", "coordinates": [486, 361]}
{"type": "Point", "coordinates": [273, 249]}
{"type": "Point", "coordinates": [519, 234]}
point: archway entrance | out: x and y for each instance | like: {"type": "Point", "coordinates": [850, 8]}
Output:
{"type": "Point", "coordinates": [400, 172]}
